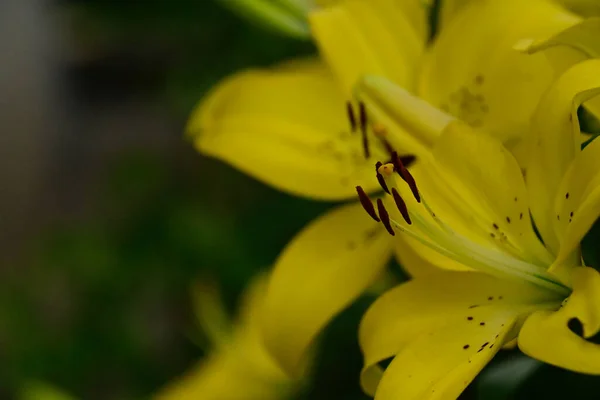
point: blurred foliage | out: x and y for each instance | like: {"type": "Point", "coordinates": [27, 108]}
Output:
{"type": "Point", "coordinates": [102, 306]}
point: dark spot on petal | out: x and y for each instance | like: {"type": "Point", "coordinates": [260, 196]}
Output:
{"type": "Point", "coordinates": [495, 225]}
{"type": "Point", "coordinates": [491, 298]}
{"type": "Point", "coordinates": [491, 346]}
{"type": "Point", "coordinates": [478, 79]}
{"type": "Point", "coordinates": [558, 217]}
{"type": "Point", "coordinates": [567, 195]}
{"type": "Point", "coordinates": [482, 323]}
{"type": "Point", "coordinates": [571, 214]}
{"type": "Point", "coordinates": [492, 234]}
{"type": "Point", "coordinates": [351, 245]}
{"type": "Point", "coordinates": [508, 219]}
{"type": "Point", "coordinates": [470, 318]}
{"type": "Point", "coordinates": [500, 297]}
{"type": "Point", "coordinates": [474, 306]}
{"type": "Point", "coordinates": [521, 216]}
{"type": "Point", "coordinates": [516, 199]}
{"type": "Point", "coordinates": [575, 326]}
{"type": "Point", "coordinates": [466, 346]}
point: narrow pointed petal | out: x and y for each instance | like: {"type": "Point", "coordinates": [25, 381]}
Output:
{"type": "Point", "coordinates": [554, 142]}
{"type": "Point", "coordinates": [413, 124]}
{"type": "Point", "coordinates": [493, 87]}
{"type": "Point", "coordinates": [580, 37]}
{"type": "Point", "coordinates": [374, 37]}
{"type": "Point", "coordinates": [323, 269]}
{"type": "Point", "coordinates": [287, 127]}
{"type": "Point", "coordinates": [547, 337]}
{"type": "Point", "coordinates": [577, 204]}
{"type": "Point", "coordinates": [450, 313]}
{"type": "Point", "coordinates": [284, 16]}
{"type": "Point", "coordinates": [575, 44]}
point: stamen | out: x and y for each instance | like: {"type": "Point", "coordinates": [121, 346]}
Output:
{"type": "Point", "coordinates": [408, 160]}
{"type": "Point", "coordinates": [381, 181]}
{"type": "Point", "coordinates": [401, 206]}
{"type": "Point", "coordinates": [367, 203]}
{"type": "Point", "coordinates": [406, 176]}
{"type": "Point", "coordinates": [387, 145]}
{"type": "Point", "coordinates": [351, 116]}
{"type": "Point", "coordinates": [385, 217]}
{"type": "Point", "coordinates": [380, 177]}
{"type": "Point", "coordinates": [363, 128]}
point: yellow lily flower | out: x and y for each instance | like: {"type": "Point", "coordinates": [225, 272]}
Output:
{"type": "Point", "coordinates": [483, 278]}
{"type": "Point", "coordinates": [239, 367]}
{"type": "Point", "coordinates": [299, 142]}
{"type": "Point", "coordinates": [288, 127]}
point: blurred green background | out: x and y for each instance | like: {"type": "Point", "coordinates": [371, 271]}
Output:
{"type": "Point", "coordinates": [109, 215]}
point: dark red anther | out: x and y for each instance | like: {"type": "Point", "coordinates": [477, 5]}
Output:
{"type": "Point", "coordinates": [385, 217]}
{"type": "Point", "coordinates": [401, 206]}
{"type": "Point", "coordinates": [380, 178]}
{"type": "Point", "coordinates": [363, 128]}
{"type": "Point", "coordinates": [367, 203]}
{"type": "Point", "coordinates": [406, 175]}
{"type": "Point", "coordinates": [387, 145]}
{"type": "Point", "coordinates": [382, 183]}
{"type": "Point", "coordinates": [362, 115]}
{"type": "Point", "coordinates": [412, 185]}
{"type": "Point", "coordinates": [351, 116]}
{"type": "Point", "coordinates": [408, 160]}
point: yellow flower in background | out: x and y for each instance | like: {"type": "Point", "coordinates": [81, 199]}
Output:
{"type": "Point", "coordinates": [483, 278]}
{"type": "Point", "coordinates": [238, 366]}
{"type": "Point", "coordinates": [42, 391]}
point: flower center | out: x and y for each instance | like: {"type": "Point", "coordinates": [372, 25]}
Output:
{"type": "Point", "coordinates": [420, 222]}
{"type": "Point", "coordinates": [380, 145]}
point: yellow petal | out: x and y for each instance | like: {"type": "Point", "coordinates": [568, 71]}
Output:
{"type": "Point", "coordinates": [286, 126]}
{"type": "Point", "coordinates": [482, 182]}
{"type": "Point", "coordinates": [322, 270]}
{"type": "Point", "coordinates": [438, 366]}
{"type": "Point", "coordinates": [419, 260]}
{"type": "Point", "coordinates": [547, 337]}
{"type": "Point", "coordinates": [222, 376]}
{"type": "Point", "coordinates": [554, 141]}
{"type": "Point", "coordinates": [493, 87]}
{"type": "Point", "coordinates": [450, 9]}
{"type": "Point", "coordinates": [577, 204]}
{"type": "Point", "coordinates": [434, 313]}
{"type": "Point", "coordinates": [412, 124]}
{"type": "Point", "coordinates": [580, 37]}
{"type": "Point", "coordinates": [375, 37]}
{"type": "Point", "coordinates": [577, 43]}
